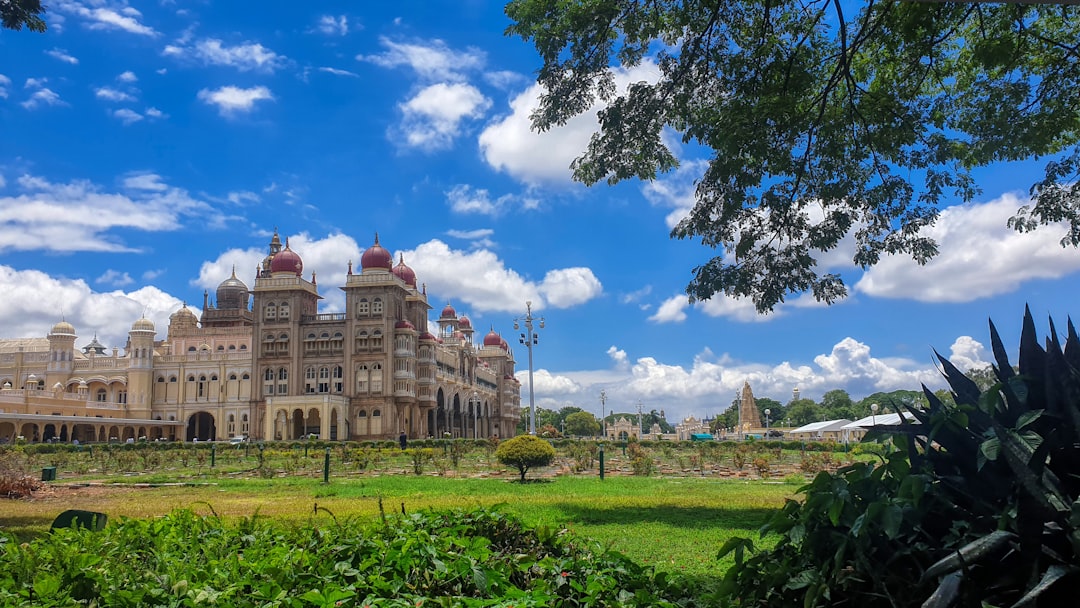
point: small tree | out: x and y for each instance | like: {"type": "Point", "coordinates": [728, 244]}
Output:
{"type": "Point", "coordinates": [525, 452]}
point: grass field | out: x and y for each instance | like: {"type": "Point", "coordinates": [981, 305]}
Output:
{"type": "Point", "coordinates": [674, 524]}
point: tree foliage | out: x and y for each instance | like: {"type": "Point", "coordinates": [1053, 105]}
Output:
{"type": "Point", "coordinates": [824, 122]}
{"type": "Point", "coordinates": [14, 14]}
{"type": "Point", "coordinates": [582, 424]}
{"type": "Point", "coordinates": [525, 452]}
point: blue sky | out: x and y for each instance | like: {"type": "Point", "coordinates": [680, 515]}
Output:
{"type": "Point", "coordinates": [147, 148]}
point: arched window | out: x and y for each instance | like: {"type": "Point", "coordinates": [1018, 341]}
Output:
{"type": "Point", "coordinates": [101, 395]}
{"type": "Point", "coordinates": [309, 379]}
{"type": "Point", "coordinates": [376, 306]}
{"type": "Point", "coordinates": [375, 427]}
{"type": "Point", "coordinates": [221, 348]}
{"type": "Point", "coordinates": [268, 344]}
{"type": "Point", "coordinates": [339, 375]}
{"type": "Point", "coordinates": [362, 381]}
{"type": "Point", "coordinates": [361, 340]}
{"type": "Point", "coordinates": [283, 381]}
{"type": "Point", "coordinates": [232, 347]}
{"type": "Point", "coordinates": [270, 312]}
{"type": "Point", "coordinates": [202, 386]}
{"type": "Point", "coordinates": [283, 311]}
{"type": "Point", "coordinates": [191, 349]}
{"type": "Point", "coordinates": [243, 347]}
{"type": "Point", "coordinates": [268, 381]}
{"type": "Point", "coordinates": [376, 378]}
{"type": "Point", "coordinates": [324, 380]}
{"type": "Point", "coordinates": [363, 308]}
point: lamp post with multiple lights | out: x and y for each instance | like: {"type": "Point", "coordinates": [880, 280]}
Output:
{"type": "Point", "coordinates": [530, 339]}
{"type": "Point", "coordinates": [768, 413]}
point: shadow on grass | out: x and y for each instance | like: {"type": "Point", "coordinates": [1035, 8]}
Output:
{"type": "Point", "coordinates": [25, 528]}
{"type": "Point", "coordinates": [743, 519]}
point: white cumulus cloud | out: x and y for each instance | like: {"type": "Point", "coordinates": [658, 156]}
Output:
{"type": "Point", "coordinates": [231, 100]}
{"type": "Point", "coordinates": [978, 257]}
{"type": "Point", "coordinates": [248, 56]}
{"type": "Point", "coordinates": [62, 55]}
{"type": "Point", "coordinates": [431, 61]}
{"type": "Point", "coordinates": [82, 216]}
{"type": "Point", "coordinates": [509, 144]}
{"type": "Point", "coordinates": [432, 118]}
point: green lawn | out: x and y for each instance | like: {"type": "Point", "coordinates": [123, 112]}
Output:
{"type": "Point", "coordinates": [674, 524]}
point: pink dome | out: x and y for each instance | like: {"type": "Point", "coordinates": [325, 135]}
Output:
{"type": "Point", "coordinates": [403, 324]}
{"type": "Point", "coordinates": [458, 335]}
{"type": "Point", "coordinates": [376, 257]}
{"type": "Point", "coordinates": [428, 337]}
{"type": "Point", "coordinates": [492, 338]}
{"type": "Point", "coordinates": [464, 323]}
{"type": "Point", "coordinates": [448, 313]}
{"type": "Point", "coordinates": [405, 273]}
{"type": "Point", "coordinates": [286, 260]}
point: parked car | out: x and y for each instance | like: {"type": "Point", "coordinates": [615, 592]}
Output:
{"type": "Point", "coordinates": [237, 440]}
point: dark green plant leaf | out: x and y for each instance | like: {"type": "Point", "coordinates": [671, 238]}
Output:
{"type": "Point", "coordinates": [946, 592]}
{"type": "Point", "coordinates": [970, 554]}
{"type": "Point", "coordinates": [1052, 575]}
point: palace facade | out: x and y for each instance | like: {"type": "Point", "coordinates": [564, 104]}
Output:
{"type": "Point", "coordinates": [265, 363]}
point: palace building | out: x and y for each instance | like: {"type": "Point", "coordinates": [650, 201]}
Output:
{"type": "Point", "coordinates": [265, 363]}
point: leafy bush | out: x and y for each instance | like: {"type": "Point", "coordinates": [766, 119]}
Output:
{"type": "Point", "coordinates": [525, 452]}
{"type": "Point", "coordinates": [480, 558]}
{"type": "Point", "coordinates": [976, 506]}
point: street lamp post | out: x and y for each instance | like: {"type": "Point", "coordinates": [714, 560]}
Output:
{"type": "Point", "coordinates": [873, 414]}
{"type": "Point", "coordinates": [530, 339]}
{"type": "Point", "coordinates": [603, 417]}
{"type": "Point", "coordinates": [640, 431]}
{"type": "Point", "coordinates": [768, 413]}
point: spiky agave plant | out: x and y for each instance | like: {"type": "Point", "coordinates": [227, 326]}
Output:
{"type": "Point", "coordinates": [976, 507]}
{"type": "Point", "coordinates": [1006, 469]}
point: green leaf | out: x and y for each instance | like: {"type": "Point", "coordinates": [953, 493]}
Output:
{"type": "Point", "coordinates": [892, 518]}
{"type": "Point", "coordinates": [1052, 575]}
{"type": "Point", "coordinates": [1027, 418]}
{"type": "Point", "coordinates": [989, 450]}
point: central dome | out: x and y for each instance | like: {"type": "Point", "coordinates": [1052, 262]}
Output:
{"type": "Point", "coordinates": [63, 328]}
{"type": "Point", "coordinates": [376, 257]}
{"type": "Point", "coordinates": [143, 324]}
{"type": "Point", "coordinates": [286, 260]}
{"type": "Point", "coordinates": [232, 294]}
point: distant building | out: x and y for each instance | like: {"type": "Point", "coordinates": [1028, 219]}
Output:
{"type": "Point", "coordinates": [276, 369]}
{"type": "Point", "coordinates": [690, 426]}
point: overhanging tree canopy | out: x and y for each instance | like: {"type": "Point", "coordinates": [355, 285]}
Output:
{"type": "Point", "coordinates": [824, 119]}
{"type": "Point", "coordinates": [14, 14]}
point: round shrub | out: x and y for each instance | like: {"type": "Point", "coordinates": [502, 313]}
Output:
{"type": "Point", "coordinates": [525, 452]}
